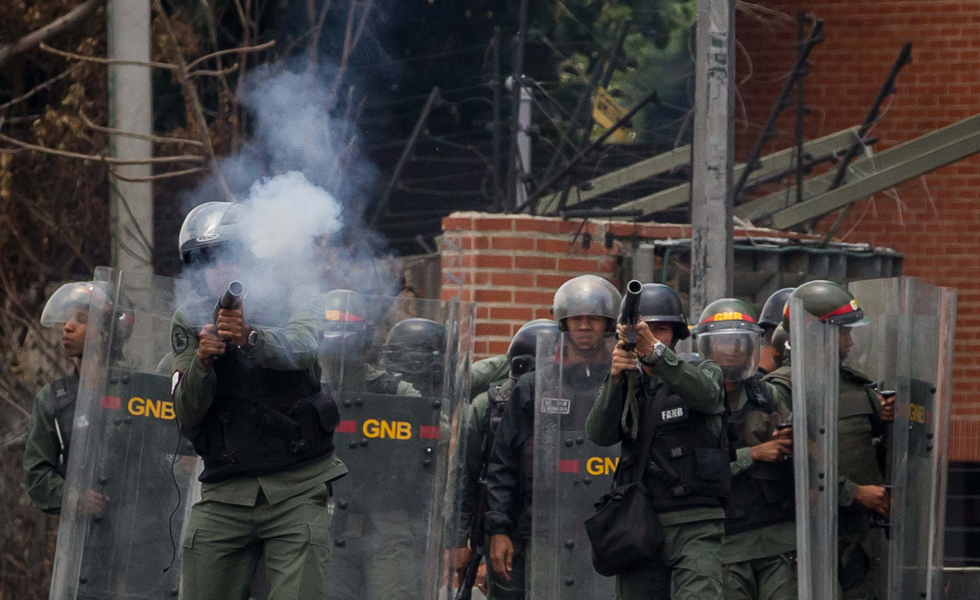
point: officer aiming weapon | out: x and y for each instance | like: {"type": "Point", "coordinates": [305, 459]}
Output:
{"type": "Point", "coordinates": [628, 315]}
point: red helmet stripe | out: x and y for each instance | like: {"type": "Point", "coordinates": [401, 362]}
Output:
{"type": "Point", "coordinates": [843, 310]}
{"type": "Point", "coordinates": [336, 315]}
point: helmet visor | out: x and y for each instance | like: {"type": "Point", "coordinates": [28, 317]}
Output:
{"type": "Point", "coordinates": [735, 350]}
{"type": "Point", "coordinates": [414, 362]}
{"type": "Point", "coordinates": [71, 302]}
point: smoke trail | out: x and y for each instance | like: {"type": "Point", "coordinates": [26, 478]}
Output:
{"type": "Point", "coordinates": [307, 186]}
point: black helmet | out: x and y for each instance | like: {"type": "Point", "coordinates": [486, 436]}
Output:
{"type": "Point", "coordinates": [523, 348]}
{"type": "Point", "coordinates": [779, 340]}
{"type": "Point", "coordinates": [772, 310]}
{"type": "Point", "coordinates": [728, 334]}
{"type": "Point", "coordinates": [586, 295]}
{"type": "Point", "coordinates": [415, 346]}
{"type": "Point", "coordinates": [210, 229]}
{"type": "Point", "coordinates": [660, 304]}
{"type": "Point", "coordinates": [829, 302]}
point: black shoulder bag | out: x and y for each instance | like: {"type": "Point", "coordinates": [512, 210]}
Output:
{"type": "Point", "coordinates": [625, 532]}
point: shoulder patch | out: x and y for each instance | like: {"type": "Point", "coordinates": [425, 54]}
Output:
{"type": "Point", "coordinates": [179, 340]}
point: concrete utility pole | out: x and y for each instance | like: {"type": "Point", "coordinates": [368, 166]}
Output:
{"type": "Point", "coordinates": [130, 110]}
{"type": "Point", "coordinates": [522, 158]}
{"type": "Point", "coordinates": [712, 249]}
{"type": "Point", "coordinates": [523, 146]}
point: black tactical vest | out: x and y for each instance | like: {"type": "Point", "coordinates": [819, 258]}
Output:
{"type": "Point", "coordinates": [263, 420]}
{"type": "Point", "coordinates": [64, 392]}
{"type": "Point", "coordinates": [688, 464]}
{"type": "Point", "coordinates": [764, 495]}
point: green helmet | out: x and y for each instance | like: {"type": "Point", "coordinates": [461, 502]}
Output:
{"type": "Point", "coordinates": [728, 334]}
{"type": "Point", "coordinates": [828, 301]}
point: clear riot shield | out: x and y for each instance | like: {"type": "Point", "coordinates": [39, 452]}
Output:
{"type": "Point", "coordinates": [398, 436]}
{"type": "Point", "coordinates": [875, 354]}
{"type": "Point", "coordinates": [921, 441]}
{"type": "Point", "coordinates": [130, 475]}
{"type": "Point", "coordinates": [815, 364]}
{"type": "Point", "coordinates": [570, 472]}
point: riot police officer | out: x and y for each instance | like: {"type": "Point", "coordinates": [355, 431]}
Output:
{"type": "Point", "coordinates": [770, 319]}
{"type": "Point", "coordinates": [585, 307]}
{"type": "Point", "coordinates": [482, 420]}
{"type": "Point", "coordinates": [53, 413]}
{"type": "Point", "coordinates": [248, 395]}
{"type": "Point", "coordinates": [415, 350]}
{"type": "Point", "coordinates": [687, 469]}
{"type": "Point", "coordinates": [345, 348]}
{"type": "Point", "coordinates": [862, 418]}
{"type": "Point", "coordinates": [760, 532]}
{"type": "Point", "coordinates": [377, 558]}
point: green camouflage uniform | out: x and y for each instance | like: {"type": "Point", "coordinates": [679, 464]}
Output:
{"type": "Point", "coordinates": [693, 537]}
{"type": "Point", "coordinates": [282, 516]}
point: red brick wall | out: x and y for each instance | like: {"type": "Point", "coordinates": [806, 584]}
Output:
{"type": "Point", "coordinates": [938, 224]}
{"type": "Point", "coordinates": [511, 265]}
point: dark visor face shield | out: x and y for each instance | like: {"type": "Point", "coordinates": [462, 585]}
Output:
{"type": "Point", "coordinates": [209, 256]}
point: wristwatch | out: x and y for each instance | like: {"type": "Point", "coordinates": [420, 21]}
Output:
{"type": "Point", "coordinates": [658, 351]}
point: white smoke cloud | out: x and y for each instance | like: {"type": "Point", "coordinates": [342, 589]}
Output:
{"type": "Point", "coordinates": [307, 186]}
{"type": "Point", "coordinates": [287, 215]}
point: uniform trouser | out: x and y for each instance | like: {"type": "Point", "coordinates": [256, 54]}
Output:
{"type": "Point", "coordinates": [857, 565]}
{"type": "Point", "coordinates": [499, 588]}
{"type": "Point", "coordinates": [378, 558]}
{"type": "Point", "coordinates": [224, 542]}
{"type": "Point", "coordinates": [770, 578]}
{"type": "Point", "coordinates": [691, 560]}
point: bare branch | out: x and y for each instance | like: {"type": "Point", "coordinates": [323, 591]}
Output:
{"type": "Point", "coordinates": [191, 97]}
{"type": "Point", "coordinates": [242, 50]}
{"type": "Point", "coordinates": [59, 25]}
{"type": "Point", "coordinates": [138, 136]}
{"type": "Point", "coordinates": [35, 90]}
{"type": "Point", "coordinates": [17, 406]}
{"type": "Point", "coordinates": [220, 73]}
{"type": "Point", "coordinates": [159, 175]}
{"type": "Point", "coordinates": [350, 41]}
{"type": "Point", "coordinates": [314, 43]}
{"type": "Point", "coordinates": [107, 61]}
{"type": "Point", "coordinates": [106, 159]}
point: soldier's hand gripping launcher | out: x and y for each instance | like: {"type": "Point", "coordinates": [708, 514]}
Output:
{"type": "Point", "coordinates": [631, 312]}
{"type": "Point", "coordinates": [230, 300]}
